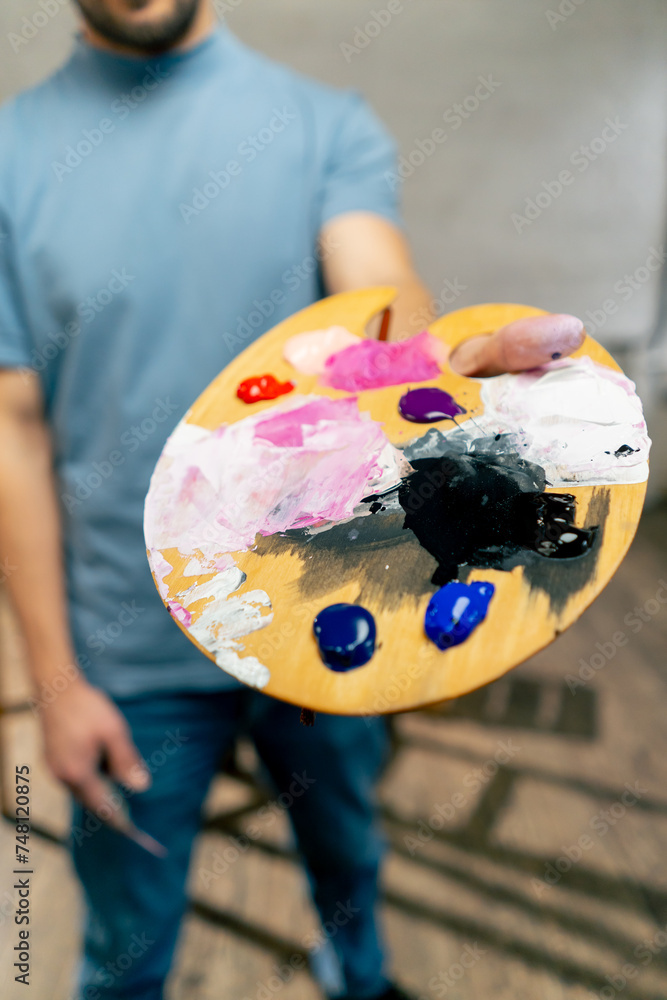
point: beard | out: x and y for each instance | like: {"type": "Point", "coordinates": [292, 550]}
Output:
{"type": "Point", "coordinates": [152, 39]}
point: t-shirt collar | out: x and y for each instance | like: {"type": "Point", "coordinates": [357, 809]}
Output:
{"type": "Point", "coordinates": [207, 51]}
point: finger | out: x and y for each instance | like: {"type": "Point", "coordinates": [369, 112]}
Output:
{"type": "Point", "coordinates": [109, 805]}
{"type": "Point", "coordinates": [97, 795]}
{"type": "Point", "coordinates": [523, 344]}
{"type": "Point", "coordinates": [125, 762]}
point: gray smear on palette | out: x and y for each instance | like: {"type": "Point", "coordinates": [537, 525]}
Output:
{"type": "Point", "coordinates": [361, 549]}
{"type": "Point", "coordinates": [561, 582]}
{"type": "Point", "coordinates": [435, 444]}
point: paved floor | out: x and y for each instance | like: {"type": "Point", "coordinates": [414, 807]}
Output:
{"type": "Point", "coordinates": [511, 833]}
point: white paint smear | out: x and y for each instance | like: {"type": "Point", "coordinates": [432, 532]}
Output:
{"type": "Point", "coordinates": [227, 619]}
{"type": "Point", "coordinates": [306, 462]}
{"type": "Point", "coordinates": [582, 422]}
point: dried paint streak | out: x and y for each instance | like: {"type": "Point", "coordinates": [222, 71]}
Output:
{"type": "Point", "coordinates": [308, 352]}
{"type": "Point", "coordinates": [372, 364]}
{"type": "Point", "coordinates": [582, 422]}
{"type": "Point", "coordinates": [357, 552]}
{"type": "Point", "coordinates": [305, 463]}
{"type": "Point", "coordinates": [227, 619]}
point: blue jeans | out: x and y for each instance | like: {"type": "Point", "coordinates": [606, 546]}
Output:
{"type": "Point", "coordinates": [135, 902]}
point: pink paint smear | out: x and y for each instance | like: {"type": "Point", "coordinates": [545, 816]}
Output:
{"type": "Point", "coordinates": [372, 364]}
{"type": "Point", "coordinates": [307, 460]}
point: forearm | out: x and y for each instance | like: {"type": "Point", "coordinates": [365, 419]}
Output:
{"type": "Point", "coordinates": [30, 544]}
{"type": "Point", "coordinates": [367, 250]}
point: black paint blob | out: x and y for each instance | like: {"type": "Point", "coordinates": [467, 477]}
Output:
{"type": "Point", "coordinates": [624, 450]}
{"type": "Point", "coordinates": [472, 523]}
{"type": "Point", "coordinates": [481, 509]}
{"type": "Point", "coordinates": [346, 635]}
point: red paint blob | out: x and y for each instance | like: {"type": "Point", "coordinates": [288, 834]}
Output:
{"type": "Point", "coordinates": [253, 390]}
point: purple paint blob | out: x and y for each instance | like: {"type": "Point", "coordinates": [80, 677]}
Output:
{"type": "Point", "coordinates": [428, 405]}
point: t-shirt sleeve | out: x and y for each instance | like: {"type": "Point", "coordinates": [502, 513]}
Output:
{"type": "Point", "coordinates": [360, 173]}
{"type": "Point", "coordinates": [14, 339]}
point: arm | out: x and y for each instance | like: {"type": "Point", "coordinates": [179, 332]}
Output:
{"type": "Point", "coordinates": [80, 724]}
{"type": "Point", "coordinates": [368, 250]}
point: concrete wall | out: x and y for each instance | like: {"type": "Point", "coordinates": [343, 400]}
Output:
{"type": "Point", "coordinates": [560, 76]}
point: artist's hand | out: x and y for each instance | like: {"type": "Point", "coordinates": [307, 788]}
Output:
{"type": "Point", "coordinates": [526, 343]}
{"type": "Point", "coordinates": [81, 727]}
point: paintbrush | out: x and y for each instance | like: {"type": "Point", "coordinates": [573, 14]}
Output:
{"type": "Point", "coordinates": [121, 822]}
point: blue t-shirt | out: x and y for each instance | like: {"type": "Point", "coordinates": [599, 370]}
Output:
{"type": "Point", "coordinates": [155, 218]}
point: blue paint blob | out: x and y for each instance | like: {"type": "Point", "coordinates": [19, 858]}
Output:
{"type": "Point", "coordinates": [346, 635]}
{"type": "Point", "coordinates": [455, 611]}
{"type": "Point", "coordinates": [428, 405]}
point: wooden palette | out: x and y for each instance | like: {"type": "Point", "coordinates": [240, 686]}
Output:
{"type": "Point", "coordinates": [407, 671]}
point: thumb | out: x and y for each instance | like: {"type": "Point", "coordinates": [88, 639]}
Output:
{"type": "Point", "coordinates": [125, 762]}
{"type": "Point", "coordinates": [521, 345]}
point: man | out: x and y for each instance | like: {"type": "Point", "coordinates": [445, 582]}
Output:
{"type": "Point", "coordinates": [166, 197]}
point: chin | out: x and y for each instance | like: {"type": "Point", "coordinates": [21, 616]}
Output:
{"type": "Point", "coordinates": [150, 26]}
